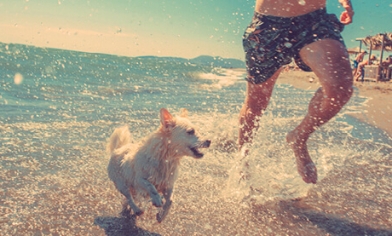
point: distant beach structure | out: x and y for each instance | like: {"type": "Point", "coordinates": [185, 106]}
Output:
{"type": "Point", "coordinates": [382, 42]}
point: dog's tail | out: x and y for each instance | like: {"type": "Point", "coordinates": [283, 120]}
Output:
{"type": "Point", "coordinates": [120, 137]}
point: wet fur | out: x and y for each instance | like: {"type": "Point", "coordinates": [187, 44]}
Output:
{"type": "Point", "coordinates": [151, 168]}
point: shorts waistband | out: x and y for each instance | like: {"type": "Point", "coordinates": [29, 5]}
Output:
{"type": "Point", "coordinates": [282, 20]}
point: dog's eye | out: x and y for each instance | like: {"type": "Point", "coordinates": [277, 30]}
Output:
{"type": "Point", "coordinates": [190, 132]}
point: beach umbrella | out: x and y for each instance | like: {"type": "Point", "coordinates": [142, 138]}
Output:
{"type": "Point", "coordinates": [379, 42]}
{"type": "Point", "coordinates": [354, 50]}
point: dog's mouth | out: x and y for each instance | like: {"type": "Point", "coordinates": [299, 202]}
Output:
{"type": "Point", "coordinates": [195, 150]}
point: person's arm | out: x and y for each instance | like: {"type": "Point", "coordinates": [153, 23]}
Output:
{"type": "Point", "coordinates": [362, 64]}
{"type": "Point", "coordinates": [347, 16]}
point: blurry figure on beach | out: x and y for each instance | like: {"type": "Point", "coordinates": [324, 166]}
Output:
{"type": "Point", "coordinates": [358, 59]}
{"type": "Point", "coordinates": [385, 67]}
{"type": "Point", "coordinates": [301, 30]}
{"type": "Point", "coordinates": [387, 62]}
{"type": "Point", "coordinates": [361, 68]}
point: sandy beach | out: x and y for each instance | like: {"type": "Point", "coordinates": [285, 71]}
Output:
{"type": "Point", "coordinates": [377, 111]}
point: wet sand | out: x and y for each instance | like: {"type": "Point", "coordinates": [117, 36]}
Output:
{"type": "Point", "coordinates": [344, 203]}
{"type": "Point", "coordinates": [378, 109]}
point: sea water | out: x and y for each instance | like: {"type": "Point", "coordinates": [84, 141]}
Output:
{"type": "Point", "coordinates": [58, 108]}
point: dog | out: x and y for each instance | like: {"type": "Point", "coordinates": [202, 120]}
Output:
{"type": "Point", "coordinates": [151, 168]}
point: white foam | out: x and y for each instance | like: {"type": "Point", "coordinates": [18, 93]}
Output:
{"type": "Point", "coordinates": [222, 78]}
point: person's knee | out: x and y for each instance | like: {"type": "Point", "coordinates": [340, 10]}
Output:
{"type": "Point", "coordinates": [339, 92]}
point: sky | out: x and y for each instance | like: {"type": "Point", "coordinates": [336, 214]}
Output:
{"type": "Point", "coordinates": [179, 28]}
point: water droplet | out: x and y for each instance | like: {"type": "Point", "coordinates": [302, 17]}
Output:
{"type": "Point", "coordinates": [288, 44]}
{"type": "Point", "coordinates": [302, 2]}
{"type": "Point", "coordinates": [18, 78]}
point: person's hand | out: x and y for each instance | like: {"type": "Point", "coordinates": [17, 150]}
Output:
{"type": "Point", "coordinates": [346, 17]}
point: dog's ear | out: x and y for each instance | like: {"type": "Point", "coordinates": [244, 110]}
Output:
{"type": "Point", "coordinates": [166, 118]}
{"type": "Point", "coordinates": [184, 112]}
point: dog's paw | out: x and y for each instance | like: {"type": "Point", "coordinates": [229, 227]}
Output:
{"type": "Point", "coordinates": [156, 200]}
{"type": "Point", "coordinates": [125, 212]}
{"type": "Point", "coordinates": [161, 215]}
{"type": "Point", "coordinates": [157, 203]}
{"type": "Point", "coordinates": [139, 212]}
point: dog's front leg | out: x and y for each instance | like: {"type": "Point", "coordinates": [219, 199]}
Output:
{"type": "Point", "coordinates": [161, 215]}
{"type": "Point", "coordinates": [150, 188]}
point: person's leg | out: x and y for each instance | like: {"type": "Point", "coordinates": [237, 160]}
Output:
{"type": "Point", "coordinates": [360, 72]}
{"type": "Point", "coordinates": [355, 68]}
{"type": "Point", "coordinates": [329, 60]}
{"type": "Point", "coordinates": [256, 101]}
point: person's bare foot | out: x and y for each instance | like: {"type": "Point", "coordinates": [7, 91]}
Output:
{"type": "Point", "coordinates": [305, 166]}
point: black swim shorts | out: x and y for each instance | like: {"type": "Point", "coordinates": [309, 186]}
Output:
{"type": "Point", "coordinates": [271, 41]}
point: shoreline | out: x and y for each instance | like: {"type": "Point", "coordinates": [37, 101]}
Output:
{"type": "Point", "coordinates": [377, 110]}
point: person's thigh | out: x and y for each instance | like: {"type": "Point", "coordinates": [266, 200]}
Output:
{"type": "Point", "coordinates": [329, 60]}
{"type": "Point", "coordinates": [264, 43]}
{"type": "Point", "coordinates": [258, 95]}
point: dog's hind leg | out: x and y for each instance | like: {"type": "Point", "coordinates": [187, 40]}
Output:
{"type": "Point", "coordinates": [161, 215]}
{"type": "Point", "coordinates": [126, 211]}
{"type": "Point", "coordinates": [125, 191]}
{"type": "Point", "coordinates": [151, 190]}
{"type": "Point", "coordinates": [133, 206]}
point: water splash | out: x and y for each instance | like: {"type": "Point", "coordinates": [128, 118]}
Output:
{"type": "Point", "coordinates": [302, 2]}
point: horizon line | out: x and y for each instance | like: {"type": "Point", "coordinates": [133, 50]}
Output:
{"type": "Point", "coordinates": [110, 54]}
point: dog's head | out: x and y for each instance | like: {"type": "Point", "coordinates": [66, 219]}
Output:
{"type": "Point", "coordinates": [182, 136]}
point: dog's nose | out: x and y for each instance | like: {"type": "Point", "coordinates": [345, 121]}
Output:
{"type": "Point", "coordinates": [207, 143]}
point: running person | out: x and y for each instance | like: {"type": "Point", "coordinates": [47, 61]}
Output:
{"type": "Point", "coordinates": [301, 29]}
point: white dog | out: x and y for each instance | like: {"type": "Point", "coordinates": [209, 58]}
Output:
{"type": "Point", "coordinates": [152, 167]}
